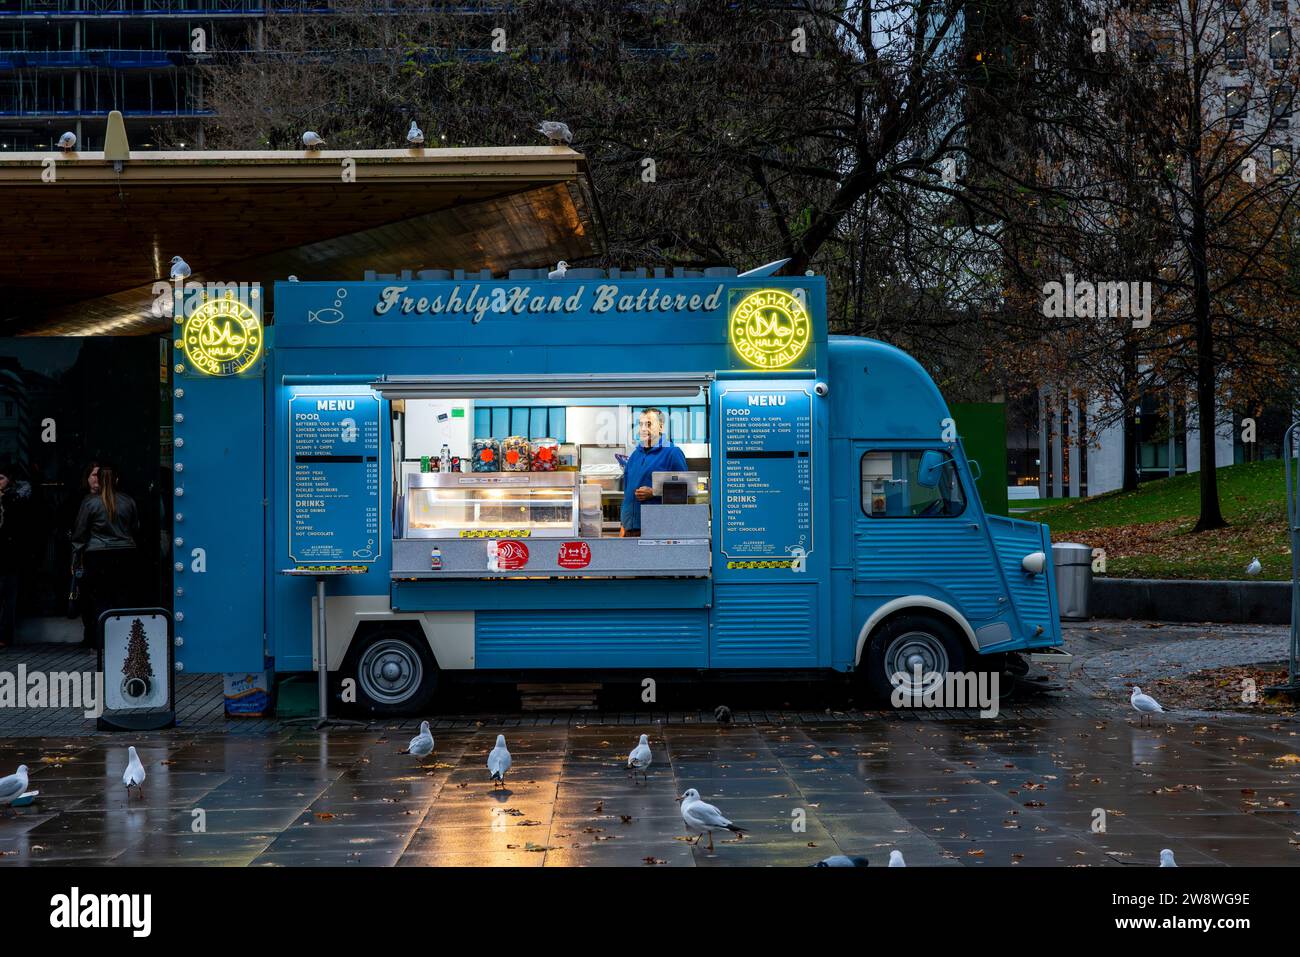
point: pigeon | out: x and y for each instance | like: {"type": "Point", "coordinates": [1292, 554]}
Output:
{"type": "Point", "coordinates": [422, 744]}
{"type": "Point", "coordinates": [180, 269]}
{"type": "Point", "coordinates": [415, 135]}
{"type": "Point", "coordinates": [639, 758]}
{"type": "Point", "coordinates": [723, 714]}
{"type": "Point", "coordinates": [840, 860]}
{"type": "Point", "coordinates": [1254, 568]}
{"type": "Point", "coordinates": [1144, 704]}
{"type": "Point", "coordinates": [896, 859]}
{"type": "Point", "coordinates": [12, 787]}
{"type": "Point", "coordinates": [499, 761]}
{"type": "Point", "coordinates": [556, 132]}
{"type": "Point", "coordinates": [1166, 857]}
{"type": "Point", "coordinates": [133, 776]}
{"type": "Point", "coordinates": [68, 142]}
{"type": "Point", "coordinates": [558, 272]}
{"type": "Point", "coordinates": [704, 818]}
{"type": "Point", "coordinates": [312, 140]}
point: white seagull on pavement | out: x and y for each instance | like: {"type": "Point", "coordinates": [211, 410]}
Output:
{"type": "Point", "coordinates": [1144, 704]}
{"type": "Point", "coordinates": [133, 776]}
{"type": "Point", "coordinates": [13, 786]}
{"type": "Point", "coordinates": [498, 762]}
{"type": "Point", "coordinates": [639, 758]}
{"type": "Point", "coordinates": [1167, 858]}
{"type": "Point", "coordinates": [422, 744]}
{"type": "Point", "coordinates": [704, 818]}
{"type": "Point", "coordinates": [896, 859]}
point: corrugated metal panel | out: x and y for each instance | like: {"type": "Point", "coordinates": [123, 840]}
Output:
{"type": "Point", "coordinates": [947, 552]}
{"type": "Point", "coordinates": [579, 638]}
{"type": "Point", "coordinates": [765, 625]}
{"type": "Point", "coordinates": [1014, 540]}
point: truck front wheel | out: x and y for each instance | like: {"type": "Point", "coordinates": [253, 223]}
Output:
{"type": "Point", "coordinates": [395, 672]}
{"type": "Point", "coordinates": [908, 655]}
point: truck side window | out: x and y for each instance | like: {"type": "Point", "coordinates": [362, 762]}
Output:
{"type": "Point", "coordinates": [919, 483]}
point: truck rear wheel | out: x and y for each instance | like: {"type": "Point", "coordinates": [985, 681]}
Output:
{"type": "Point", "coordinates": [395, 672]}
{"type": "Point", "coordinates": [904, 644]}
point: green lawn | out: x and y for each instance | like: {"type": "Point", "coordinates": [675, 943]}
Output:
{"type": "Point", "coordinates": [1148, 533]}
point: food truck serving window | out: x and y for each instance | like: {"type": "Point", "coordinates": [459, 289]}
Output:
{"type": "Point", "coordinates": [917, 483]}
{"type": "Point", "coordinates": [497, 475]}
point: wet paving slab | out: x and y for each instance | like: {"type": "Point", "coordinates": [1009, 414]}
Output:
{"type": "Point", "coordinates": [1060, 792]}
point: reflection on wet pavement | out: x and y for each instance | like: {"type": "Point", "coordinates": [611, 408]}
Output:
{"type": "Point", "coordinates": [1065, 792]}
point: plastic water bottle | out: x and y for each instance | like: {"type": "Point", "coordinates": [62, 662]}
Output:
{"type": "Point", "coordinates": [444, 459]}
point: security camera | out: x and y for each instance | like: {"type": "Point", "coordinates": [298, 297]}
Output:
{"type": "Point", "coordinates": [821, 388]}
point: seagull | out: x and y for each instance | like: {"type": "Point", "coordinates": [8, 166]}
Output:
{"type": "Point", "coordinates": [180, 269]}
{"type": "Point", "coordinates": [12, 787]}
{"type": "Point", "coordinates": [1144, 704]}
{"type": "Point", "coordinates": [639, 758]}
{"type": "Point", "coordinates": [312, 140]}
{"type": "Point", "coordinates": [415, 135]}
{"type": "Point", "coordinates": [68, 142]}
{"type": "Point", "coordinates": [1254, 568]}
{"type": "Point", "coordinates": [558, 272]}
{"type": "Point", "coordinates": [499, 761]}
{"type": "Point", "coordinates": [840, 860]}
{"type": "Point", "coordinates": [896, 859]}
{"type": "Point", "coordinates": [556, 132]}
{"type": "Point", "coordinates": [704, 818]}
{"type": "Point", "coordinates": [723, 714]}
{"type": "Point", "coordinates": [133, 776]}
{"type": "Point", "coordinates": [422, 744]}
{"type": "Point", "coordinates": [1166, 857]}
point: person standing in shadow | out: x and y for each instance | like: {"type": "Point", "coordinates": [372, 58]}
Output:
{"type": "Point", "coordinates": [103, 544]}
{"type": "Point", "coordinates": [15, 547]}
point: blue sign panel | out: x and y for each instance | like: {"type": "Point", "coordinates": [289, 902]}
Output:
{"type": "Point", "coordinates": [334, 478]}
{"type": "Point", "coordinates": [766, 471]}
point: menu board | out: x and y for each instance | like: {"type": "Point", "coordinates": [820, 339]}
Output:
{"type": "Point", "coordinates": [334, 479]}
{"type": "Point", "coordinates": [766, 472]}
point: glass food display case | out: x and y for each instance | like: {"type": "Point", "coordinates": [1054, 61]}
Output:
{"type": "Point", "coordinates": [452, 504]}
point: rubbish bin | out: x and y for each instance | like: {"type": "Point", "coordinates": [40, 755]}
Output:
{"type": "Point", "coordinates": [1073, 578]}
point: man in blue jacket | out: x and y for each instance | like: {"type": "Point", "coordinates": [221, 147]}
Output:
{"type": "Point", "coordinates": [654, 453]}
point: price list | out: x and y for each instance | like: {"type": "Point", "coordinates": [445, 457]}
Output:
{"type": "Point", "coordinates": [766, 473]}
{"type": "Point", "coordinates": [334, 479]}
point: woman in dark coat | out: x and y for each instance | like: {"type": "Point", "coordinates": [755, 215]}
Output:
{"type": "Point", "coordinates": [103, 543]}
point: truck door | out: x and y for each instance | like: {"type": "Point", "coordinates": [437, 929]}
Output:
{"type": "Point", "coordinates": [919, 530]}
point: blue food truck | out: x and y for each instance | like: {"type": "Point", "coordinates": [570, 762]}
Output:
{"type": "Point", "coordinates": [459, 442]}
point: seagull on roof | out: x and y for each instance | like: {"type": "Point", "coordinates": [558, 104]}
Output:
{"type": "Point", "coordinates": [68, 142]}
{"type": "Point", "coordinates": [498, 762]}
{"type": "Point", "coordinates": [1144, 704]}
{"type": "Point", "coordinates": [13, 786]}
{"type": "Point", "coordinates": [558, 272]}
{"type": "Point", "coordinates": [556, 132]}
{"type": "Point", "coordinates": [311, 139]}
{"type": "Point", "coordinates": [180, 269]}
{"type": "Point", "coordinates": [639, 758]}
{"type": "Point", "coordinates": [415, 135]}
{"type": "Point", "coordinates": [705, 818]}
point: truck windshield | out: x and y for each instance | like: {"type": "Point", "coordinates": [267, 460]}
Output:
{"type": "Point", "coordinates": [911, 484]}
